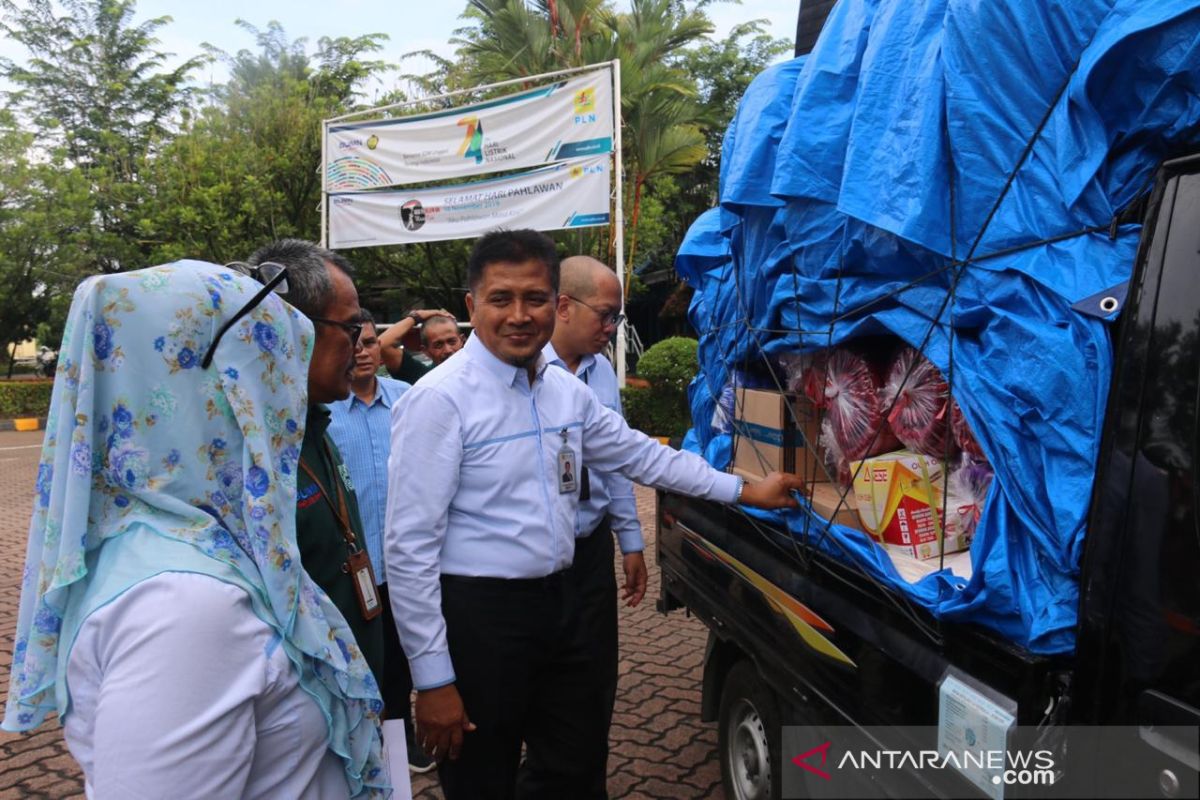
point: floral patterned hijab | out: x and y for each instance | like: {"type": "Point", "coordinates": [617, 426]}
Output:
{"type": "Point", "coordinates": [140, 438]}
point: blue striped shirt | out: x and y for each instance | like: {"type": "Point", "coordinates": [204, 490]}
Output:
{"type": "Point", "coordinates": [473, 485]}
{"type": "Point", "coordinates": [611, 492]}
{"type": "Point", "coordinates": [362, 434]}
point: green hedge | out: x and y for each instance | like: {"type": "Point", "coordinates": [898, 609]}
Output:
{"type": "Point", "coordinates": [24, 398]}
{"type": "Point", "coordinates": [662, 409]}
{"type": "Point", "coordinates": [653, 413]}
{"type": "Point", "coordinates": [670, 364]}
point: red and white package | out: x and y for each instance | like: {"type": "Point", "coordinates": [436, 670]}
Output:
{"type": "Point", "coordinates": [963, 435]}
{"type": "Point", "coordinates": [846, 384]}
{"type": "Point", "coordinates": [918, 396]}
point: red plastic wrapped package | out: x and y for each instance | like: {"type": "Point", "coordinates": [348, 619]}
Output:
{"type": "Point", "coordinates": [963, 435]}
{"type": "Point", "coordinates": [846, 385]}
{"type": "Point", "coordinates": [918, 396]}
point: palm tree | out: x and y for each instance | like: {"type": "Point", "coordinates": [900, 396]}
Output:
{"type": "Point", "coordinates": [661, 121]}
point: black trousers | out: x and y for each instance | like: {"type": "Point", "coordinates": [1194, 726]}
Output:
{"type": "Point", "coordinates": [396, 683]}
{"type": "Point", "coordinates": [595, 580]}
{"type": "Point", "coordinates": [523, 677]}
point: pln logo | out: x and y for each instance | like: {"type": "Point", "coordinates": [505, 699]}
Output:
{"type": "Point", "coordinates": [579, 171]}
{"type": "Point", "coordinates": [372, 142]}
{"type": "Point", "coordinates": [472, 144]}
{"type": "Point", "coordinates": [585, 106]}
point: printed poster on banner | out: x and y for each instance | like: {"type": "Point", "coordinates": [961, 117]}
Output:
{"type": "Point", "coordinates": [565, 120]}
{"type": "Point", "coordinates": [568, 195]}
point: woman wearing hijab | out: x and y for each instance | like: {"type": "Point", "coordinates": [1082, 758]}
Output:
{"type": "Point", "coordinates": [164, 612]}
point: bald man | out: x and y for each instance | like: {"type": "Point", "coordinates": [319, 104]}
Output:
{"type": "Point", "coordinates": [588, 313]}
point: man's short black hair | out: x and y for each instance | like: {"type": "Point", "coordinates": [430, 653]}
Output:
{"type": "Point", "coordinates": [366, 317]}
{"type": "Point", "coordinates": [511, 247]}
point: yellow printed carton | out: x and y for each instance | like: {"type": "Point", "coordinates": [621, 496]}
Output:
{"type": "Point", "coordinates": [899, 499]}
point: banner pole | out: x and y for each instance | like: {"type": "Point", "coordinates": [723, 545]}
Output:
{"type": "Point", "coordinates": [619, 214]}
{"type": "Point", "coordinates": [324, 182]}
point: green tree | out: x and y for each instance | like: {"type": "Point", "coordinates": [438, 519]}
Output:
{"type": "Point", "coordinates": [43, 210]}
{"type": "Point", "coordinates": [723, 70]}
{"type": "Point", "coordinates": [95, 86]}
{"type": "Point", "coordinates": [515, 39]}
{"type": "Point", "coordinates": [245, 169]}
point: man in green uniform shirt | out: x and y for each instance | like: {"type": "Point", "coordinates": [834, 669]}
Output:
{"type": "Point", "coordinates": [440, 339]}
{"type": "Point", "coordinates": [328, 527]}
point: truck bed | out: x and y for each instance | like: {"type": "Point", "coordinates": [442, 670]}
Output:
{"type": "Point", "coordinates": [824, 635]}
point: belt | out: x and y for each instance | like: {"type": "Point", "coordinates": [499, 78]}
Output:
{"type": "Point", "coordinates": [553, 580]}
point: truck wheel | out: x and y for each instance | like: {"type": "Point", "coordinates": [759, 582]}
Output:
{"type": "Point", "coordinates": [748, 736]}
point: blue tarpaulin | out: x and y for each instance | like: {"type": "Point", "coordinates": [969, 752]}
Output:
{"type": "Point", "coordinates": [949, 172]}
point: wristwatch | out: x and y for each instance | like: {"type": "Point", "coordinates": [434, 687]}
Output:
{"type": "Point", "coordinates": [415, 316]}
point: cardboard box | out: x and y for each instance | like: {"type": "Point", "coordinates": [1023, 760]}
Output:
{"type": "Point", "coordinates": [775, 432]}
{"type": "Point", "coordinates": [899, 499]}
{"type": "Point", "coordinates": [826, 499]}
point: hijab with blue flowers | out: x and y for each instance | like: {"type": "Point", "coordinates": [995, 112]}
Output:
{"type": "Point", "coordinates": [140, 440]}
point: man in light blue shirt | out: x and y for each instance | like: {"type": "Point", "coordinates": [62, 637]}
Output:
{"type": "Point", "coordinates": [360, 426]}
{"type": "Point", "coordinates": [481, 529]}
{"type": "Point", "coordinates": [583, 327]}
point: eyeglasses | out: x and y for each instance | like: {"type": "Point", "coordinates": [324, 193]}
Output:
{"type": "Point", "coordinates": [613, 318]}
{"type": "Point", "coordinates": [274, 279]}
{"type": "Point", "coordinates": [352, 329]}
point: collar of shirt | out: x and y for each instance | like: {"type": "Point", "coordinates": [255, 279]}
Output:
{"type": "Point", "coordinates": [387, 392]}
{"type": "Point", "coordinates": [552, 357]}
{"type": "Point", "coordinates": [504, 372]}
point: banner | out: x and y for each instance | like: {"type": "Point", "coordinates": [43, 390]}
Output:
{"type": "Point", "coordinates": [567, 195]}
{"type": "Point", "coordinates": [564, 120]}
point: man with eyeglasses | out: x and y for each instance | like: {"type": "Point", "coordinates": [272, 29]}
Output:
{"type": "Point", "coordinates": [361, 429]}
{"type": "Point", "coordinates": [329, 528]}
{"type": "Point", "coordinates": [588, 313]}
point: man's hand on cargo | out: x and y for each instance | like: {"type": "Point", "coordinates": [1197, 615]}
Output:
{"type": "Point", "coordinates": [773, 491]}
{"type": "Point", "coordinates": [635, 579]}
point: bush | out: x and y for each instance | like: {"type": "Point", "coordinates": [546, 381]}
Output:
{"type": "Point", "coordinates": [653, 413]}
{"type": "Point", "coordinates": [670, 365]}
{"type": "Point", "coordinates": [662, 409]}
{"type": "Point", "coordinates": [25, 398]}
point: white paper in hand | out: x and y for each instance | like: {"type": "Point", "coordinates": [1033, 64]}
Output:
{"type": "Point", "coordinates": [395, 751]}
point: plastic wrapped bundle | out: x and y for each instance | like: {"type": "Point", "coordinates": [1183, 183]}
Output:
{"type": "Point", "coordinates": [964, 437]}
{"type": "Point", "coordinates": [723, 414]}
{"type": "Point", "coordinates": [836, 463]}
{"type": "Point", "coordinates": [846, 385]}
{"type": "Point", "coordinates": [917, 395]}
{"type": "Point", "coordinates": [966, 492]}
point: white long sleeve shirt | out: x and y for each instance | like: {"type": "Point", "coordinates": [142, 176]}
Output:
{"type": "Point", "coordinates": [474, 484]}
{"type": "Point", "coordinates": [611, 492]}
{"type": "Point", "coordinates": [179, 690]}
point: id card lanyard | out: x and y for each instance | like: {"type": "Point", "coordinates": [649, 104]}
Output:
{"type": "Point", "coordinates": [358, 563]}
{"type": "Point", "coordinates": [567, 472]}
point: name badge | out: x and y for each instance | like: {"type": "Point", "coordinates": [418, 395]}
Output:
{"type": "Point", "coordinates": [568, 480]}
{"type": "Point", "coordinates": [359, 567]}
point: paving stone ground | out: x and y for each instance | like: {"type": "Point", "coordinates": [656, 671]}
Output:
{"type": "Point", "coordinates": [660, 749]}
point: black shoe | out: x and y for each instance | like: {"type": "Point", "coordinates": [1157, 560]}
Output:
{"type": "Point", "coordinates": [418, 762]}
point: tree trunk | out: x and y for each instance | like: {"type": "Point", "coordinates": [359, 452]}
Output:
{"type": "Point", "coordinates": [638, 182]}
